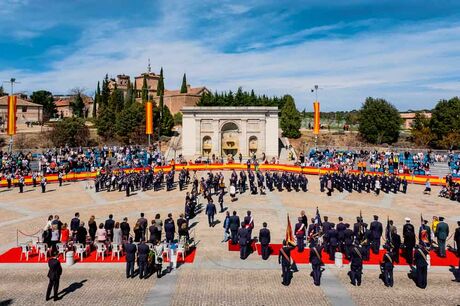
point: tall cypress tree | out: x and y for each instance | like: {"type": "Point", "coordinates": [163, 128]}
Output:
{"type": "Point", "coordinates": [129, 95]}
{"type": "Point", "coordinates": [97, 99]}
{"type": "Point", "coordinates": [105, 95]}
{"type": "Point", "coordinates": [183, 88]}
{"type": "Point", "coordinates": [145, 92]}
{"type": "Point", "coordinates": [161, 85]}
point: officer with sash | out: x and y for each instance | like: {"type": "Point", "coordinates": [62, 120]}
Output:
{"type": "Point", "coordinates": [284, 258]}
{"type": "Point", "coordinates": [300, 234]}
{"type": "Point", "coordinates": [421, 266]}
{"type": "Point", "coordinates": [356, 264]}
{"type": "Point", "coordinates": [316, 263]}
{"type": "Point", "coordinates": [21, 183]}
{"type": "Point", "coordinates": [43, 184]}
{"type": "Point", "coordinates": [387, 269]}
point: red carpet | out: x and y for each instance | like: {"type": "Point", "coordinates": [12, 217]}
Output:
{"type": "Point", "coordinates": [236, 247]}
{"type": "Point", "coordinates": [374, 259]}
{"type": "Point", "coordinates": [13, 255]}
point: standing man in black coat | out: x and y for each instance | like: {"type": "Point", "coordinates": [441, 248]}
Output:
{"type": "Point", "coordinates": [109, 225]}
{"type": "Point", "coordinates": [249, 223]}
{"type": "Point", "coordinates": [234, 226]}
{"type": "Point", "coordinates": [316, 263]}
{"type": "Point", "coordinates": [142, 256]}
{"type": "Point", "coordinates": [264, 239]}
{"type": "Point", "coordinates": [243, 239]}
{"type": "Point", "coordinates": [409, 241]}
{"type": "Point", "coordinates": [130, 249]}
{"type": "Point", "coordinates": [54, 274]}
{"type": "Point", "coordinates": [211, 212]}
{"type": "Point", "coordinates": [387, 269]}
{"type": "Point", "coordinates": [300, 231]}
{"type": "Point", "coordinates": [284, 258]}
{"type": "Point", "coordinates": [376, 233]}
{"type": "Point", "coordinates": [421, 266]}
{"type": "Point", "coordinates": [457, 238]}
{"type": "Point", "coordinates": [170, 229]}
{"type": "Point", "coordinates": [356, 265]}
{"type": "Point", "coordinates": [125, 229]}
{"type": "Point", "coordinates": [74, 224]}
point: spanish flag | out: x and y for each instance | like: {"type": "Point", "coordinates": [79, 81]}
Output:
{"type": "Point", "coordinates": [148, 118]}
{"type": "Point", "coordinates": [289, 237]}
{"type": "Point", "coordinates": [316, 124]}
{"type": "Point", "coordinates": [11, 123]}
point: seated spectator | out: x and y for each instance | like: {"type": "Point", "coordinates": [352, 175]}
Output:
{"type": "Point", "coordinates": [101, 234]}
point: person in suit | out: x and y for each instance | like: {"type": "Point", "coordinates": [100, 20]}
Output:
{"type": "Point", "coordinates": [226, 226]}
{"type": "Point", "coordinates": [457, 239]}
{"type": "Point", "coordinates": [143, 222]}
{"type": "Point", "coordinates": [54, 275]}
{"type": "Point", "coordinates": [376, 233]}
{"type": "Point", "coordinates": [409, 241]}
{"type": "Point", "coordinates": [348, 240]}
{"type": "Point", "coordinates": [316, 263]}
{"type": "Point", "coordinates": [442, 232]}
{"type": "Point", "coordinates": [234, 226]}
{"type": "Point", "coordinates": [341, 233]}
{"type": "Point", "coordinates": [211, 212]}
{"type": "Point", "coordinates": [142, 256]}
{"type": "Point", "coordinates": [284, 259]}
{"type": "Point", "coordinates": [130, 249]}
{"type": "Point", "coordinates": [356, 265]}
{"type": "Point", "coordinates": [170, 230]}
{"type": "Point", "coordinates": [333, 242]}
{"type": "Point", "coordinates": [300, 231]}
{"type": "Point", "coordinates": [108, 226]}
{"type": "Point", "coordinates": [243, 239]}
{"type": "Point", "coordinates": [395, 244]}
{"type": "Point", "coordinates": [264, 239]}
{"type": "Point", "coordinates": [421, 266]}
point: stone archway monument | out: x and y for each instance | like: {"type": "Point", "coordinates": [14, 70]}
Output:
{"type": "Point", "coordinates": [229, 131]}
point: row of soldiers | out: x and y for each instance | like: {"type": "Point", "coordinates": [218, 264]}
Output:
{"type": "Point", "coordinates": [19, 180]}
{"type": "Point", "coordinates": [134, 181]}
{"type": "Point", "coordinates": [362, 183]}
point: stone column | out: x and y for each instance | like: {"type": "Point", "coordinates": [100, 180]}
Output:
{"type": "Point", "coordinates": [216, 138]}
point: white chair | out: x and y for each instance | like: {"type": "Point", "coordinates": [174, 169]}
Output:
{"type": "Point", "coordinates": [180, 249]}
{"type": "Point", "coordinates": [80, 250]}
{"type": "Point", "coordinates": [100, 249]}
{"type": "Point", "coordinates": [25, 250]}
{"type": "Point", "coordinates": [42, 250]}
{"type": "Point", "coordinates": [116, 249]}
{"type": "Point", "coordinates": [61, 248]}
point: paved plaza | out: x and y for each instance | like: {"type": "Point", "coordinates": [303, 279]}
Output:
{"type": "Point", "coordinates": [217, 276]}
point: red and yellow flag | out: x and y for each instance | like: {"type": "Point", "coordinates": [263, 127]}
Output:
{"type": "Point", "coordinates": [148, 118]}
{"type": "Point", "coordinates": [289, 237]}
{"type": "Point", "coordinates": [316, 124]}
{"type": "Point", "coordinates": [11, 123]}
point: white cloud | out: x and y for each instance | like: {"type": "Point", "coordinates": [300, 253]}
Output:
{"type": "Point", "coordinates": [400, 66]}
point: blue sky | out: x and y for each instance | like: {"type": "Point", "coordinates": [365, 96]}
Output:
{"type": "Point", "coordinates": [404, 51]}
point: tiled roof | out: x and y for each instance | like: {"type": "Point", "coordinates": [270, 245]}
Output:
{"type": "Point", "coordinates": [20, 102]}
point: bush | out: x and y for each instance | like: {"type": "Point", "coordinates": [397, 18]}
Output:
{"type": "Point", "coordinates": [70, 131]}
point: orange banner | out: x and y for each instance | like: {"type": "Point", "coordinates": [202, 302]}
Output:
{"type": "Point", "coordinates": [11, 123]}
{"type": "Point", "coordinates": [148, 118]}
{"type": "Point", "coordinates": [316, 124]}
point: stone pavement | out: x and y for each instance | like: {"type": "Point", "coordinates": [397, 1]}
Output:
{"type": "Point", "coordinates": [217, 277]}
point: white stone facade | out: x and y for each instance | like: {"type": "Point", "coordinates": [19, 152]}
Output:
{"type": "Point", "coordinates": [227, 131]}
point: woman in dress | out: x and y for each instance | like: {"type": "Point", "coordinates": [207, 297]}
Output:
{"type": "Point", "coordinates": [92, 226]}
{"type": "Point", "coordinates": [137, 232]}
{"type": "Point", "coordinates": [117, 238]}
{"type": "Point", "coordinates": [65, 234]}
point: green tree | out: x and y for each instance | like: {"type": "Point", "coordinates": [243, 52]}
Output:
{"type": "Point", "coordinates": [105, 95]}
{"type": "Point", "coordinates": [97, 100]}
{"type": "Point", "coordinates": [105, 122]}
{"type": "Point", "coordinates": [129, 95]}
{"type": "Point", "coordinates": [161, 85]}
{"type": "Point", "coordinates": [78, 106]}
{"type": "Point", "coordinates": [420, 130]}
{"type": "Point", "coordinates": [70, 131]}
{"type": "Point", "coordinates": [167, 122]}
{"type": "Point", "coordinates": [178, 118]}
{"type": "Point", "coordinates": [445, 122]}
{"type": "Point", "coordinates": [46, 99]}
{"type": "Point", "coordinates": [2, 91]}
{"type": "Point", "coordinates": [128, 122]}
{"type": "Point", "coordinates": [116, 100]}
{"type": "Point", "coordinates": [183, 88]}
{"type": "Point", "coordinates": [379, 121]}
{"type": "Point", "coordinates": [290, 120]}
